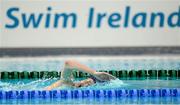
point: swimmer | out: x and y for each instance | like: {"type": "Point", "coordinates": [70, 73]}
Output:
{"type": "Point", "coordinates": [66, 76]}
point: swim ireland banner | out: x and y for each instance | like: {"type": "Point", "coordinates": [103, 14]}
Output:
{"type": "Point", "coordinates": [89, 23]}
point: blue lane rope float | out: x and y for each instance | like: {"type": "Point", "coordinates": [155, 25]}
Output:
{"type": "Point", "coordinates": [33, 94]}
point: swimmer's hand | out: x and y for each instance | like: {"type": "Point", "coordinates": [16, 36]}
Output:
{"type": "Point", "coordinates": [103, 76]}
{"type": "Point", "coordinates": [54, 85]}
{"type": "Point", "coordinates": [48, 88]}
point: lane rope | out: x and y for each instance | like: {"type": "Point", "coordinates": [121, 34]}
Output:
{"type": "Point", "coordinates": [118, 73]}
{"type": "Point", "coordinates": [33, 94]}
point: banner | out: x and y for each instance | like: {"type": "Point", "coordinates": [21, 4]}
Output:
{"type": "Point", "coordinates": [89, 23]}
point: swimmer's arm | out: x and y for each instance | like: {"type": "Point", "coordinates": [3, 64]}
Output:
{"type": "Point", "coordinates": [79, 67]}
{"type": "Point", "coordinates": [54, 85]}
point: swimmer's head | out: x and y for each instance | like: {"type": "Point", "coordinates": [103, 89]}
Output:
{"type": "Point", "coordinates": [84, 83]}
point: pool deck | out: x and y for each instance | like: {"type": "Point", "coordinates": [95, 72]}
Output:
{"type": "Point", "coordinates": [93, 51]}
{"type": "Point", "coordinates": [90, 57]}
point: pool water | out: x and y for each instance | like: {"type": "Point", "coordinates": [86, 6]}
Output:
{"type": "Point", "coordinates": [101, 63]}
{"type": "Point", "coordinates": [40, 84]}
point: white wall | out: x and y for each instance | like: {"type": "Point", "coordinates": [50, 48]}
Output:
{"type": "Point", "coordinates": [81, 36]}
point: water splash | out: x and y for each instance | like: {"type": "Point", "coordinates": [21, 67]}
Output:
{"type": "Point", "coordinates": [42, 83]}
{"type": "Point", "coordinates": [25, 84]}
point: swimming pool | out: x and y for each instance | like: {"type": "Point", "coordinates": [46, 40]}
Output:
{"type": "Point", "coordinates": [145, 80]}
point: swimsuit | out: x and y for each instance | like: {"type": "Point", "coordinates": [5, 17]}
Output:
{"type": "Point", "coordinates": [95, 79]}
